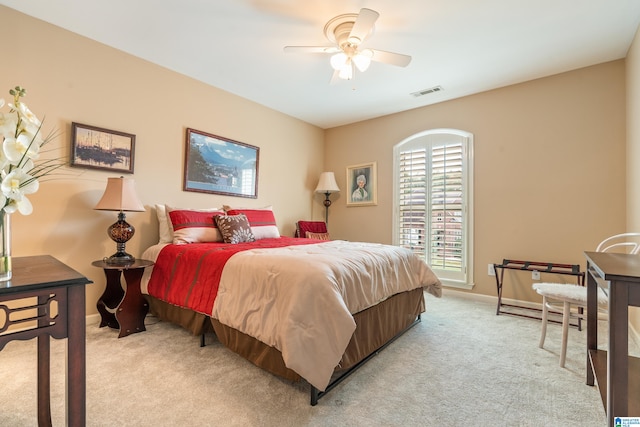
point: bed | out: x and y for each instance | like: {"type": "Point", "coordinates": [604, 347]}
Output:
{"type": "Point", "coordinates": [302, 309]}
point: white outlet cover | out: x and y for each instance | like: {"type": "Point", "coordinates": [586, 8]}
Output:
{"type": "Point", "coordinates": [490, 270]}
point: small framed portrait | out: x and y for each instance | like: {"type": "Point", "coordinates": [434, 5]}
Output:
{"type": "Point", "coordinates": [362, 186]}
{"type": "Point", "coordinates": [218, 165]}
{"type": "Point", "coordinates": [97, 148]}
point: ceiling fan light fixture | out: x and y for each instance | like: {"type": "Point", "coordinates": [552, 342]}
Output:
{"type": "Point", "coordinates": [362, 60]}
{"type": "Point", "coordinates": [339, 61]}
{"type": "Point", "coordinates": [346, 72]}
{"type": "Point", "coordinates": [347, 32]}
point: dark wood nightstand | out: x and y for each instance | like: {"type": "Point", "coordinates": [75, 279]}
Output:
{"type": "Point", "coordinates": [120, 309]}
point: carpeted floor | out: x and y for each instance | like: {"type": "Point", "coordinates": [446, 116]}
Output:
{"type": "Point", "coordinates": [462, 365]}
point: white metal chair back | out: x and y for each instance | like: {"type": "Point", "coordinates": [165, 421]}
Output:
{"type": "Point", "coordinates": [624, 242]}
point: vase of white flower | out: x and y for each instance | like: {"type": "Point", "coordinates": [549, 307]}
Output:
{"type": "Point", "coordinates": [5, 246]}
{"type": "Point", "coordinates": [20, 167]}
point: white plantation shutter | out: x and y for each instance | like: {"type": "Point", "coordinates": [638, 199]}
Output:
{"type": "Point", "coordinates": [433, 193]}
{"type": "Point", "coordinates": [412, 195]}
{"type": "Point", "coordinates": [446, 206]}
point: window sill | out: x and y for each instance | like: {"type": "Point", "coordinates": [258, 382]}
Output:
{"type": "Point", "coordinates": [458, 285]}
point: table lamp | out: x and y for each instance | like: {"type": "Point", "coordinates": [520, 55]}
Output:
{"type": "Point", "coordinates": [120, 196]}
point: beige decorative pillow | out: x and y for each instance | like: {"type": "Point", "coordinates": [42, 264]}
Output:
{"type": "Point", "coordinates": [234, 228]}
{"type": "Point", "coordinates": [317, 236]}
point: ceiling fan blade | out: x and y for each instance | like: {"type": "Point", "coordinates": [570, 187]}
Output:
{"type": "Point", "coordinates": [311, 49]}
{"type": "Point", "coordinates": [362, 27]}
{"type": "Point", "coordinates": [397, 59]}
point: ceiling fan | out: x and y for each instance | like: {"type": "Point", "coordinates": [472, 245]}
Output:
{"type": "Point", "coordinates": [348, 32]}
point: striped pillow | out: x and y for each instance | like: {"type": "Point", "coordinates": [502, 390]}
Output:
{"type": "Point", "coordinates": [262, 222]}
{"type": "Point", "coordinates": [194, 226]}
{"type": "Point", "coordinates": [317, 236]}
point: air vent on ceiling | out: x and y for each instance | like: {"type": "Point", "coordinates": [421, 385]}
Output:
{"type": "Point", "coordinates": [427, 91]}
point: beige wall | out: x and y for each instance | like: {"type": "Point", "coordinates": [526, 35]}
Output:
{"type": "Point", "coordinates": [633, 146]}
{"type": "Point", "coordinates": [549, 168]}
{"type": "Point", "coordinates": [71, 78]}
{"type": "Point", "coordinates": [543, 149]}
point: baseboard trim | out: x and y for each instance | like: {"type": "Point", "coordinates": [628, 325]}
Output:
{"type": "Point", "coordinates": [92, 319]}
{"type": "Point", "coordinates": [633, 332]}
{"type": "Point", "coordinates": [490, 298]}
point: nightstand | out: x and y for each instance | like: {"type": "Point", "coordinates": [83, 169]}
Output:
{"type": "Point", "coordinates": [123, 309]}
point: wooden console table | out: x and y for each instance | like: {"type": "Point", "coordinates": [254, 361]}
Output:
{"type": "Point", "coordinates": [542, 267]}
{"type": "Point", "coordinates": [46, 280]}
{"type": "Point", "coordinates": [617, 373]}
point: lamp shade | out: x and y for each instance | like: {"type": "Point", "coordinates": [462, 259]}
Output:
{"type": "Point", "coordinates": [120, 195]}
{"type": "Point", "coordinates": [327, 183]}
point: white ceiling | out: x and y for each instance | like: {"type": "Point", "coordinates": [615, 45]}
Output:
{"type": "Point", "coordinates": [465, 46]}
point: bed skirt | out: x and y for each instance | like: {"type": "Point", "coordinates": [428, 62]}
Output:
{"type": "Point", "coordinates": [375, 326]}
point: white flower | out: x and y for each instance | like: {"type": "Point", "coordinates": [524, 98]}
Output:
{"type": "Point", "coordinates": [23, 206]}
{"type": "Point", "coordinates": [26, 114]}
{"type": "Point", "coordinates": [14, 187]}
{"type": "Point", "coordinates": [21, 143]}
{"type": "Point", "coordinates": [24, 148]}
{"type": "Point", "coordinates": [4, 162]}
{"type": "Point", "coordinates": [19, 149]}
{"type": "Point", "coordinates": [8, 124]}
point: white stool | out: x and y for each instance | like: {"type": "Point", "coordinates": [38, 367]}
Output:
{"type": "Point", "coordinates": [556, 295]}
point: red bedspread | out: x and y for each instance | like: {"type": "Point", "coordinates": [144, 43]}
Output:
{"type": "Point", "coordinates": [188, 275]}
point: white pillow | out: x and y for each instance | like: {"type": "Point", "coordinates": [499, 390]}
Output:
{"type": "Point", "coordinates": [228, 208]}
{"type": "Point", "coordinates": [165, 231]}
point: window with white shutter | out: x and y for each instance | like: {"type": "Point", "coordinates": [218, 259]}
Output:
{"type": "Point", "coordinates": [433, 201]}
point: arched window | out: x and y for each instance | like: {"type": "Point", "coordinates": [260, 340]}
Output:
{"type": "Point", "coordinates": [433, 195]}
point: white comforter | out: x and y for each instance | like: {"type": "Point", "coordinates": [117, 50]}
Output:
{"type": "Point", "coordinates": [299, 299]}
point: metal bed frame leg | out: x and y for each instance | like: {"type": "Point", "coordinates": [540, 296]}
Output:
{"type": "Point", "coordinates": [317, 394]}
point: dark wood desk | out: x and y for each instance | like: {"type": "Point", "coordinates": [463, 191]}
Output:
{"type": "Point", "coordinates": [617, 373]}
{"type": "Point", "coordinates": [46, 280]}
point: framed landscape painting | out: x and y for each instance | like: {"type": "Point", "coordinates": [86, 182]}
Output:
{"type": "Point", "coordinates": [362, 185]}
{"type": "Point", "coordinates": [218, 165]}
{"type": "Point", "coordinates": [97, 148]}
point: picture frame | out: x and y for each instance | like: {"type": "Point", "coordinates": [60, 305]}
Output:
{"type": "Point", "coordinates": [98, 148]}
{"type": "Point", "coordinates": [218, 165]}
{"type": "Point", "coordinates": [367, 193]}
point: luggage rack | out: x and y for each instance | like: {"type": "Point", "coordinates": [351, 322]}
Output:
{"type": "Point", "coordinates": [542, 267]}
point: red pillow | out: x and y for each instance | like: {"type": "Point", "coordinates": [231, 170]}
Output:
{"type": "Point", "coordinates": [191, 226]}
{"type": "Point", "coordinates": [302, 227]}
{"type": "Point", "coordinates": [262, 222]}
